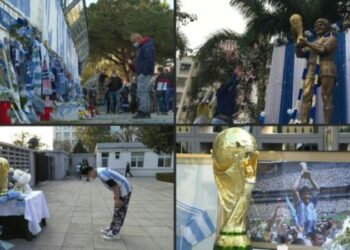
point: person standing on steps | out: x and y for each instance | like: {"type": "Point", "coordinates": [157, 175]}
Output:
{"type": "Point", "coordinates": [144, 69]}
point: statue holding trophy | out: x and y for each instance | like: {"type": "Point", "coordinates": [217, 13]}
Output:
{"type": "Point", "coordinates": [235, 158]}
{"type": "Point", "coordinates": [4, 169]}
{"type": "Point", "coordinates": [320, 69]}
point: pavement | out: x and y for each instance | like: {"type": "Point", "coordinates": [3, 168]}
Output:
{"type": "Point", "coordinates": [126, 118]}
{"type": "Point", "coordinates": [79, 209]}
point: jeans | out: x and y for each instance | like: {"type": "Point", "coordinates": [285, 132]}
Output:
{"type": "Point", "coordinates": [143, 88]}
{"type": "Point", "coordinates": [114, 99]}
{"type": "Point", "coordinates": [120, 214]}
{"type": "Point", "coordinates": [169, 99]}
{"type": "Point", "coordinates": [161, 101]}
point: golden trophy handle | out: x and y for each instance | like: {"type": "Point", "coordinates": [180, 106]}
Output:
{"type": "Point", "coordinates": [296, 22]}
{"type": "Point", "coordinates": [235, 159]}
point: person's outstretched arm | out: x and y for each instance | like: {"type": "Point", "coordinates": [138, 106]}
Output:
{"type": "Point", "coordinates": [296, 195]}
{"type": "Point", "coordinates": [314, 184]}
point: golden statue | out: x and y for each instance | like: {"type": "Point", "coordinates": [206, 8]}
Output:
{"type": "Point", "coordinates": [235, 158]}
{"type": "Point", "coordinates": [321, 51]}
{"type": "Point", "coordinates": [4, 169]}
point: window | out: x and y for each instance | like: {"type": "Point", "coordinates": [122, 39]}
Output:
{"type": "Point", "coordinates": [58, 136]}
{"type": "Point", "coordinates": [185, 67]}
{"type": "Point", "coordinates": [117, 155]}
{"type": "Point", "coordinates": [104, 156]}
{"type": "Point", "coordinates": [185, 147]}
{"type": "Point", "coordinates": [183, 129]}
{"type": "Point", "coordinates": [66, 135]}
{"type": "Point", "coordinates": [164, 161]}
{"type": "Point", "coordinates": [137, 159]}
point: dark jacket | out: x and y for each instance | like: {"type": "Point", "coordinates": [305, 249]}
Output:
{"type": "Point", "coordinates": [226, 97]}
{"type": "Point", "coordinates": [145, 58]}
{"type": "Point", "coordinates": [116, 84]}
{"type": "Point", "coordinates": [171, 77]}
{"type": "Point", "coordinates": [161, 79]}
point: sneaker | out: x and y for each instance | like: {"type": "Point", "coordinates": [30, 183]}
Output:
{"type": "Point", "coordinates": [111, 236]}
{"type": "Point", "coordinates": [105, 230]}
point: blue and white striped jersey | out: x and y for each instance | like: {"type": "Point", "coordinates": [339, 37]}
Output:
{"type": "Point", "coordinates": [106, 174]}
{"type": "Point", "coordinates": [192, 226]}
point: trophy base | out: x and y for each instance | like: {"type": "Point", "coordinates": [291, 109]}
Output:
{"type": "Point", "coordinates": [216, 247]}
{"type": "Point", "coordinates": [239, 241]}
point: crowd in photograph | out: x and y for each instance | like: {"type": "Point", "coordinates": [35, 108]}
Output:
{"type": "Point", "coordinates": [114, 95]}
{"type": "Point", "coordinates": [279, 229]}
{"type": "Point", "coordinates": [308, 209]}
{"type": "Point", "coordinates": [332, 176]}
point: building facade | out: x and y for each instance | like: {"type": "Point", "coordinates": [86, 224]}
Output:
{"type": "Point", "coordinates": [65, 133]}
{"type": "Point", "coordinates": [185, 71]}
{"type": "Point", "coordinates": [143, 161]}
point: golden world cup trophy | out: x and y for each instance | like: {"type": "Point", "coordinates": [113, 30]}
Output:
{"type": "Point", "coordinates": [296, 22]}
{"type": "Point", "coordinates": [235, 159]}
{"type": "Point", "coordinates": [4, 170]}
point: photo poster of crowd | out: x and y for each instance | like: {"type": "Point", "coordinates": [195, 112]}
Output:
{"type": "Point", "coordinates": [303, 203]}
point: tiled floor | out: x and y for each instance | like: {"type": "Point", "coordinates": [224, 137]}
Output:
{"type": "Point", "coordinates": [79, 209]}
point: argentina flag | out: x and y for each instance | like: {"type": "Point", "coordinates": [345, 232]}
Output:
{"type": "Point", "coordinates": [192, 226]}
{"type": "Point", "coordinates": [196, 204]}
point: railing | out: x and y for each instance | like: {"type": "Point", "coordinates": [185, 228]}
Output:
{"type": "Point", "coordinates": [10, 10]}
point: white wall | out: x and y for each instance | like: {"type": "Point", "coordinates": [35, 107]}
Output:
{"type": "Point", "coordinates": [150, 165]}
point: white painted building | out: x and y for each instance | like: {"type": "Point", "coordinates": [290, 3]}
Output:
{"type": "Point", "coordinates": [186, 69]}
{"type": "Point", "coordinates": [143, 161]}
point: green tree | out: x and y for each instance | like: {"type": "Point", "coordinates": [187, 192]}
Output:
{"type": "Point", "coordinates": [21, 139]}
{"type": "Point", "coordinates": [182, 19]}
{"type": "Point", "coordinates": [91, 135]}
{"type": "Point", "coordinates": [27, 140]}
{"type": "Point", "coordinates": [216, 64]}
{"type": "Point", "coordinates": [266, 18]}
{"type": "Point", "coordinates": [79, 148]}
{"type": "Point", "coordinates": [126, 134]}
{"type": "Point", "coordinates": [159, 138]}
{"type": "Point", "coordinates": [64, 145]}
{"type": "Point", "coordinates": [112, 21]}
{"type": "Point", "coordinates": [218, 57]}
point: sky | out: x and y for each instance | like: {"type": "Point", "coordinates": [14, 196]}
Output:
{"type": "Point", "coordinates": [171, 2]}
{"type": "Point", "coordinates": [213, 15]}
{"type": "Point", "coordinates": [7, 134]}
